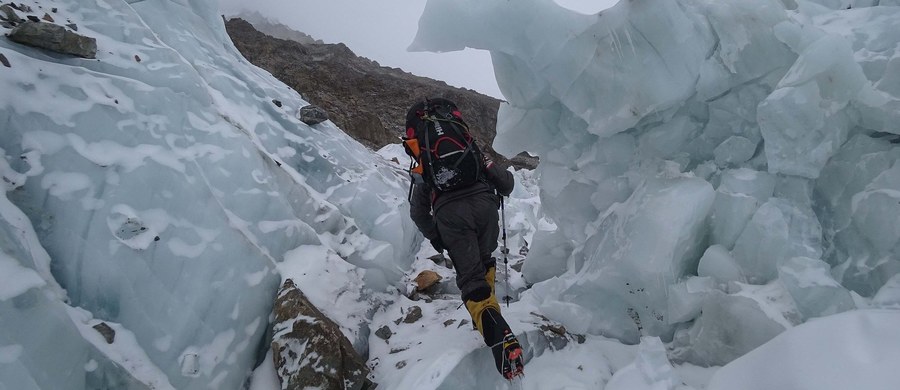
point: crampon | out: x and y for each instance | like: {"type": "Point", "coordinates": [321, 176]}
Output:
{"type": "Point", "coordinates": [508, 355]}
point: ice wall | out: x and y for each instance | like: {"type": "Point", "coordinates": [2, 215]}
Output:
{"type": "Point", "coordinates": [732, 158]}
{"type": "Point", "coordinates": [162, 186]}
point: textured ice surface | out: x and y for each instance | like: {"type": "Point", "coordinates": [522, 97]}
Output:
{"type": "Point", "coordinates": [157, 189]}
{"type": "Point", "coordinates": [651, 370]}
{"type": "Point", "coordinates": [734, 324]}
{"type": "Point", "coordinates": [718, 263]}
{"type": "Point", "coordinates": [814, 291]}
{"type": "Point", "coordinates": [162, 188]}
{"type": "Point", "coordinates": [865, 356]}
{"type": "Point", "coordinates": [786, 111]}
{"type": "Point", "coordinates": [624, 272]}
{"type": "Point", "coordinates": [888, 296]}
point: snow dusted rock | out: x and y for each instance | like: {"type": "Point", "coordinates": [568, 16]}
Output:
{"type": "Point", "coordinates": [310, 350]}
{"type": "Point", "coordinates": [108, 333]}
{"type": "Point", "coordinates": [553, 335]}
{"type": "Point", "coordinates": [414, 314]}
{"type": "Point", "coordinates": [8, 14]}
{"type": "Point", "coordinates": [384, 333]}
{"type": "Point", "coordinates": [312, 114]}
{"type": "Point", "coordinates": [53, 37]}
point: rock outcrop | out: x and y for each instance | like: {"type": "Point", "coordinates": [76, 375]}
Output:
{"type": "Point", "coordinates": [309, 349]}
{"type": "Point", "coordinates": [365, 99]}
{"type": "Point", "coordinates": [55, 38]}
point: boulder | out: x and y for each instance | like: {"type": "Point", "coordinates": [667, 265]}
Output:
{"type": "Point", "coordinates": [309, 349]}
{"type": "Point", "coordinates": [384, 333]}
{"type": "Point", "coordinates": [7, 13]}
{"type": "Point", "coordinates": [312, 115]}
{"type": "Point", "coordinates": [414, 314]}
{"type": "Point", "coordinates": [108, 333]}
{"type": "Point", "coordinates": [426, 279]}
{"type": "Point", "coordinates": [55, 38]}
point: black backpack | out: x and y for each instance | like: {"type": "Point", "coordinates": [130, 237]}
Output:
{"type": "Point", "coordinates": [445, 156]}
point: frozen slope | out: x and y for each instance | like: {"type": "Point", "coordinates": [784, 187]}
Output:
{"type": "Point", "coordinates": [720, 171]}
{"type": "Point", "coordinates": [157, 189]}
{"type": "Point", "coordinates": [810, 357]}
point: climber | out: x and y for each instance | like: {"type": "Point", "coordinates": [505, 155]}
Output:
{"type": "Point", "coordinates": [454, 197]}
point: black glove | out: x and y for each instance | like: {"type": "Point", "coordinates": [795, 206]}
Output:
{"type": "Point", "coordinates": [438, 244]}
{"type": "Point", "coordinates": [486, 160]}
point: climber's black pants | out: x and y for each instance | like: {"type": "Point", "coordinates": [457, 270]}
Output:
{"type": "Point", "coordinates": [469, 229]}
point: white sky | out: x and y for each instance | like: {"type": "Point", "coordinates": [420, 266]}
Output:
{"type": "Point", "coordinates": [382, 30]}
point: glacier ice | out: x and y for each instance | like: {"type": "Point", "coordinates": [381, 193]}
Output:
{"type": "Point", "coordinates": [552, 248]}
{"type": "Point", "coordinates": [651, 370]}
{"type": "Point", "coordinates": [718, 264]}
{"type": "Point", "coordinates": [813, 289]}
{"type": "Point", "coordinates": [714, 172]}
{"type": "Point", "coordinates": [865, 357]}
{"type": "Point", "coordinates": [750, 142]}
{"type": "Point", "coordinates": [888, 296]}
{"type": "Point", "coordinates": [623, 272]}
{"type": "Point", "coordinates": [165, 189]}
{"type": "Point", "coordinates": [685, 299]}
{"type": "Point", "coordinates": [732, 325]}
{"type": "Point", "coordinates": [738, 197]}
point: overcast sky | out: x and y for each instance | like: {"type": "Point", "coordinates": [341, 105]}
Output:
{"type": "Point", "coordinates": [382, 30]}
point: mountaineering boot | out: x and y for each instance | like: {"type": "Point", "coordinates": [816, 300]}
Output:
{"type": "Point", "coordinates": [504, 346]}
{"type": "Point", "coordinates": [496, 332]}
{"type": "Point", "coordinates": [508, 357]}
{"type": "Point", "coordinates": [477, 307]}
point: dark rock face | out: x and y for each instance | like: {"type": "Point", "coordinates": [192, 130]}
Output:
{"type": "Point", "coordinates": [55, 38]}
{"type": "Point", "coordinates": [309, 349]}
{"type": "Point", "coordinates": [365, 99]}
{"type": "Point", "coordinates": [280, 31]}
